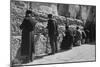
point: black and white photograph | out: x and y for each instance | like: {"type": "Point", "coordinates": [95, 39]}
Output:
{"type": "Point", "coordinates": [43, 33]}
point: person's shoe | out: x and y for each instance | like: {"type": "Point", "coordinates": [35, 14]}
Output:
{"type": "Point", "coordinates": [50, 53]}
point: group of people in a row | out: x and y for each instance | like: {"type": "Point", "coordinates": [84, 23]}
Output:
{"type": "Point", "coordinates": [70, 39]}
{"type": "Point", "coordinates": [73, 38]}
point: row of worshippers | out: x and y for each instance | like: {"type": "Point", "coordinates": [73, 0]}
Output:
{"type": "Point", "coordinates": [28, 25]}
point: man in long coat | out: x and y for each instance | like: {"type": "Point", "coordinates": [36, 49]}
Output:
{"type": "Point", "coordinates": [52, 33]}
{"type": "Point", "coordinates": [26, 45]}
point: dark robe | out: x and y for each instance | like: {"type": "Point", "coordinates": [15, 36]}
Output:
{"type": "Point", "coordinates": [52, 28]}
{"type": "Point", "coordinates": [26, 45]}
{"type": "Point", "coordinates": [52, 33]}
{"type": "Point", "coordinates": [67, 41]}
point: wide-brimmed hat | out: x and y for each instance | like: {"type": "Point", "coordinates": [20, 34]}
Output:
{"type": "Point", "coordinates": [49, 15]}
{"type": "Point", "coordinates": [28, 12]}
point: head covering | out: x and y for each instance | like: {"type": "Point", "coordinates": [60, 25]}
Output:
{"type": "Point", "coordinates": [77, 28]}
{"type": "Point", "coordinates": [67, 27]}
{"type": "Point", "coordinates": [49, 15]}
{"type": "Point", "coordinates": [28, 12]}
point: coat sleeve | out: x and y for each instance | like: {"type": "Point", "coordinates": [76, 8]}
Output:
{"type": "Point", "coordinates": [56, 27]}
{"type": "Point", "coordinates": [84, 33]}
{"type": "Point", "coordinates": [22, 25]}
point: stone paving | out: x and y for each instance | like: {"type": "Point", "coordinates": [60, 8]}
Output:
{"type": "Point", "coordinates": [76, 54]}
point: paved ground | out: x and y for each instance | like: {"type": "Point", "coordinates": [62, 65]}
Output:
{"type": "Point", "coordinates": [76, 54]}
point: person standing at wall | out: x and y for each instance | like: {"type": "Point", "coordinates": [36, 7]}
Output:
{"type": "Point", "coordinates": [52, 33]}
{"type": "Point", "coordinates": [67, 41]}
{"type": "Point", "coordinates": [77, 37]}
{"type": "Point", "coordinates": [27, 27]}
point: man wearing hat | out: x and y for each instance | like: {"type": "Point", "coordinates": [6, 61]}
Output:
{"type": "Point", "coordinates": [27, 27]}
{"type": "Point", "coordinates": [52, 33]}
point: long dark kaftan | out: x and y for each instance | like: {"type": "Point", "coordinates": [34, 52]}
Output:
{"type": "Point", "coordinates": [26, 45]}
{"type": "Point", "coordinates": [52, 33]}
{"type": "Point", "coordinates": [67, 41]}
